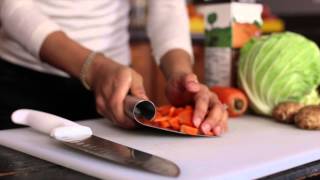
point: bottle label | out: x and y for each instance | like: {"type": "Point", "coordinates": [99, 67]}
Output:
{"type": "Point", "coordinates": [218, 63]}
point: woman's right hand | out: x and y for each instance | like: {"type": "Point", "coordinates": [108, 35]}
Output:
{"type": "Point", "coordinates": [111, 82]}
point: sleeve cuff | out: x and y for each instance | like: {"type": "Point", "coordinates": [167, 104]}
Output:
{"type": "Point", "coordinates": [40, 34]}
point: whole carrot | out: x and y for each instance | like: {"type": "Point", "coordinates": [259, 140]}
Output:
{"type": "Point", "coordinates": [234, 98]}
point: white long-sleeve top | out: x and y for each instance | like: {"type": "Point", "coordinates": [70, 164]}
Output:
{"type": "Point", "coordinates": [100, 25]}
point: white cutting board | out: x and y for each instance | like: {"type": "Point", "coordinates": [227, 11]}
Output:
{"type": "Point", "coordinates": [254, 147]}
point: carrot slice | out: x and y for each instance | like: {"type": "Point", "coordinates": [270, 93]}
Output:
{"type": "Point", "coordinates": [171, 111]}
{"type": "Point", "coordinates": [185, 117]}
{"type": "Point", "coordinates": [160, 119]}
{"type": "Point", "coordinates": [189, 130]}
{"type": "Point", "coordinates": [157, 115]}
{"type": "Point", "coordinates": [177, 111]}
{"type": "Point", "coordinates": [174, 122]}
{"type": "Point", "coordinates": [164, 124]}
{"type": "Point", "coordinates": [164, 110]}
{"type": "Point", "coordinates": [175, 118]}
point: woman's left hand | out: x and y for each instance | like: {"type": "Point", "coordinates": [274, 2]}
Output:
{"type": "Point", "coordinates": [209, 114]}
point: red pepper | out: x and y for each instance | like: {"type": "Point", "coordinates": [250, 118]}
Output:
{"type": "Point", "coordinates": [234, 98]}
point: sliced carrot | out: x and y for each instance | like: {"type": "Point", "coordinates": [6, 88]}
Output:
{"type": "Point", "coordinates": [164, 110]}
{"type": "Point", "coordinates": [171, 111]}
{"type": "Point", "coordinates": [178, 111]}
{"type": "Point", "coordinates": [160, 119]}
{"type": "Point", "coordinates": [185, 117]}
{"type": "Point", "coordinates": [189, 130]}
{"type": "Point", "coordinates": [164, 124]}
{"type": "Point", "coordinates": [174, 122]}
{"type": "Point", "coordinates": [157, 115]}
{"type": "Point", "coordinates": [175, 118]}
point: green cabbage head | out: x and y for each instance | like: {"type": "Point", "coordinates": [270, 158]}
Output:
{"type": "Point", "coordinates": [277, 68]}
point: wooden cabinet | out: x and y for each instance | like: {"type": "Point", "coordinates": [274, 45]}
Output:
{"type": "Point", "coordinates": [154, 80]}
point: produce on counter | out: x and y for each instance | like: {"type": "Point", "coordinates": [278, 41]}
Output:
{"type": "Point", "coordinates": [175, 119]}
{"type": "Point", "coordinates": [285, 111]}
{"type": "Point", "coordinates": [305, 117]}
{"type": "Point", "coordinates": [235, 99]}
{"type": "Point", "coordinates": [278, 68]}
{"type": "Point", "coordinates": [308, 118]}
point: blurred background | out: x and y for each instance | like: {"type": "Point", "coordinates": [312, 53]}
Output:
{"type": "Point", "coordinates": [301, 16]}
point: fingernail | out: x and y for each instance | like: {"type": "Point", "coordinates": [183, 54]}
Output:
{"type": "Point", "coordinates": [193, 86]}
{"type": "Point", "coordinates": [217, 130]}
{"type": "Point", "coordinates": [195, 78]}
{"type": "Point", "coordinates": [197, 121]}
{"type": "Point", "coordinates": [206, 128]}
{"type": "Point", "coordinates": [191, 83]}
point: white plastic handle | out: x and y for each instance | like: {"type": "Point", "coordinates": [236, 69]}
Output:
{"type": "Point", "coordinates": [57, 127]}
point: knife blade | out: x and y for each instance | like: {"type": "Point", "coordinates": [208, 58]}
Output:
{"type": "Point", "coordinates": [81, 138]}
{"type": "Point", "coordinates": [141, 110]}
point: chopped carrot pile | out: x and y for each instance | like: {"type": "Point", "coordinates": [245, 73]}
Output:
{"type": "Point", "coordinates": [175, 118]}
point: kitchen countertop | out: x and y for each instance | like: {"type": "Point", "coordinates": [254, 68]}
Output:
{"type": "Point", "coordinates": [17, 165]}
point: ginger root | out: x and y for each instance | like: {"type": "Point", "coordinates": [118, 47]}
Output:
{"type": "Point", "coordinates": [308, 117]}
{"type": "Point", "coordinates": [285, 111]}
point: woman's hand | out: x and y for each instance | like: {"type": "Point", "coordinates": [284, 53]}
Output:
{"type": "Point", "coordinates": [183, 88]}
{"type": "Point", "coordinates": [209, 113]}
{"type": "Point", "coordinates": [111, 83]}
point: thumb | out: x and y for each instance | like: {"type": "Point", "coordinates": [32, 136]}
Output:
{"type": "Point", "coordinates": [191, 83]}
{"type": "Point", "coordinates": [137, 88]}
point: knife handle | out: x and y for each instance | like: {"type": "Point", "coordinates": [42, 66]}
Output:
{"type": "Point", "coordinates": [57, 127]}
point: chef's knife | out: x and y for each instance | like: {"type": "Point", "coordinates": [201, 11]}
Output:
{"type": "Point", "coordinates": [82, 138]}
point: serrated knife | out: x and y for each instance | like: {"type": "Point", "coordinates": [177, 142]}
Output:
{"type": "Point", "coordinates": [81, 137]}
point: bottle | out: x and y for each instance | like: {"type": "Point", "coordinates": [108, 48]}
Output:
{"type": "Point", "coordinates": [228, 26]}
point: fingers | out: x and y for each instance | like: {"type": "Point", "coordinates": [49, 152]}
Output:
{"type": "Point", "coordinates": [209, 113]}
{"type": "Point", "coordinates": [120, 90]}
{"type": "Point", "coordinates": [191, 83]}
{"type": "Point", "coordinates": [121, 86]}
{"type": "Point", "coordinates": [225, 122]}
{"type": "Point", "coordinates": [137, 88]}
{"type": "Point", "coordinates": [100, 105]}
{"type": "Point", "coordinates": [101, 108]}
{"type": "Point", "coordinates": [181, 88]}
{"type": "Point", "coordinates": [113, 90]}
{"type": "Point", "coordinates": [201, 108]}
{"type": "Point", "coordinates": [216, 120]}
{"type": "Point", "coordinates": [212, 121]}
